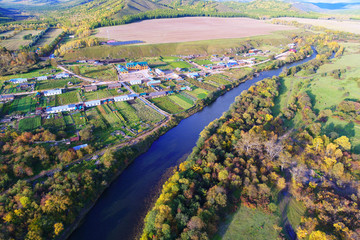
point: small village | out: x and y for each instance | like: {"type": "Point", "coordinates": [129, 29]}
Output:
{"type": "Point", "coordinates": [140, 96]}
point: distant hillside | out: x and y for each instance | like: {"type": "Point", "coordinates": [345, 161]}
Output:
{"type": "Point", "coordinates": [84, 14]}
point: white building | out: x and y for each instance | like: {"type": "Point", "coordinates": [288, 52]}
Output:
{"type": "Point", "coordinates": [62, 75]}
{"type": "Point", "coordinates": [125, 97]}
{"type": "Point", "coordinates": [92, 103]}
{"type": "Point", "coordinates": [64, 108]}
{"type": "Point", "coordinates": [135, 82]}
{"type": "Point", "coordinates": [18, 80]}
{"type": "Point", "coordinates": [159, 72]}
{"type": "Point", "coordinates": [52, 92]}
{"type": "Point", "coordinates": [41, 78]}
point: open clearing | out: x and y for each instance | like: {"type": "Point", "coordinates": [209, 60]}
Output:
{"type": "Point", "coordinates": [346, 26]}
{"type": "Point", "coordinates": [189, 29]}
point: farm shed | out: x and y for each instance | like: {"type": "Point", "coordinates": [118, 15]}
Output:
{"type": "Point", "coordinates": [157, 94]}
{"type": "Point", "coordinates": [114, 86]}
{"type": "Point", "coordinates": [80, 147]}
{"type": "Point", "coordinates": [90, 88]}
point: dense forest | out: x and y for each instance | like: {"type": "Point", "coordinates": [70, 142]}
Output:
{"type": "Point", "coordinates": [250, 154]}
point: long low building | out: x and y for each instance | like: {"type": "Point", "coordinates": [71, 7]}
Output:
{"type": "Point", "coordinates": [5, 98]}
{"type": "Point", "coordinates": [157, 94]}
{"type": "Point", "coordinates": [125, 97]}
{"type": "Point", "coordinates": [18, 80]}
{"type": "Point", "coordinates": [52, 92]}
{"type": "Point", "coordinates": [65, 108]}
{"type": "Point", "coordinates": [92, 103]}
{"type": "Point", "coordinates": [135, 82]}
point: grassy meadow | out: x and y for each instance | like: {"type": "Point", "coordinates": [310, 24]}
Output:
{"type": "Point", "coordinates": [326, 93]}
{"type": "Point", "coordinates": [249, 224]}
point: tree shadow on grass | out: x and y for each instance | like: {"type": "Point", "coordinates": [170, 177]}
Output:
{"type": "Point", "coordinates": [338, 130]}
{"type": "Point", "coordinates": [282, 89]}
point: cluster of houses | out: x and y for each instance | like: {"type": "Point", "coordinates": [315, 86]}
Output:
{"type": "Point", "coordinates": [40, 78]}
{"type": "Point", "coordinates": [132, 66]}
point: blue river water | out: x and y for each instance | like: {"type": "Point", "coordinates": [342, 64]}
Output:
{"type": "Point", "coordinates": [119, 212]}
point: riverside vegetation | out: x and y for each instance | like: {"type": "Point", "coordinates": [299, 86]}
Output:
{"type": "Point", "coordinates": [264, 145]}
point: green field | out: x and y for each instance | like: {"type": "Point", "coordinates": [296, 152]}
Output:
{"type": "Point", "coordinates": [146, 113]}
{"type": "Point", "coordinates": [79, 119]}
{"type": "Point", "coordinates": [16, 41]}
{"type": "Point", "coordinates": [51, 84]}
{"type": "Point", "coordinates": [99, 94]}
{"type": "Point", "coordinates": [295, 211]}
{"type": "Point", "coordinates": [67, 98]}
{"type": "Point", "coordinates": [22, 104]}
{"type": "Point", "coordinates": [48, 37]}
{"type": "Point", "coordinates": [127, 111]}
{"type": "Point", "coordinates": [34, 73]}
{"type": "Point", "coordinates": [169, 59]}
{"type": "Point", "coordinates": [249, 224]}
{"type": "Point", "coordinates": [167, 105]}
{"type": "Point", "coordinates": [203, 62]}
{"type": "Point", "coordinates": [198, 93]}
{"type": "Point", "coordinates": [54, 123]}
{"type": "Point", "coordinates": [29, 124]}
{"type": "Point", "coordinates": [218, 79]}
{"type": "Point", "coordinates": [68, 120]}
{"type": "Point", "coordinates": [180, 64]}
{"type": "Point", "coordinates": [181, 100]}
{"type": "Point", "coordinates": [106, 73]}
{"type": "Point", "coordinates": [326, 92]}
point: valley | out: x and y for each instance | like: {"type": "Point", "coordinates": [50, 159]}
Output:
{"type": "Point", "coordinates": [143, 119]}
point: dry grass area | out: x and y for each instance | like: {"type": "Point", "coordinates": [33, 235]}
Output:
{"type": "Point", "coordinates": [189, 29]}
{"type": "Point", "coordinates": [347, 26]}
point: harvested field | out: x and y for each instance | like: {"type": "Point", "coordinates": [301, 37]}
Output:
{"type": "Point", "coordinates": [189, 29]}
{"type": "Point", "coordinates": [16, 41]}
{"type": "Point", "coordinates": [48, 37]}
{"type": "Point", "coordinates": [346, 26]}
